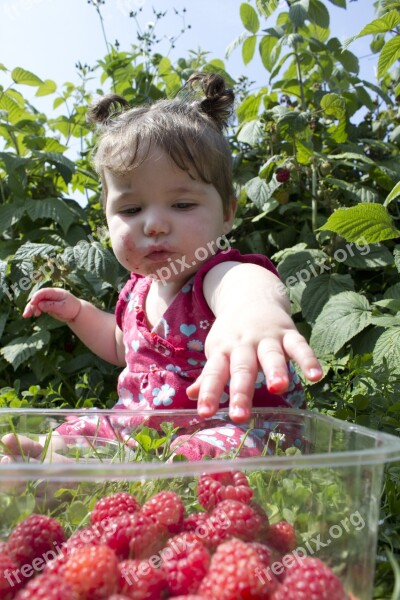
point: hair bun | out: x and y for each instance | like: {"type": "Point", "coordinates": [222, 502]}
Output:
{"type": "Point", "coordinates": [218, 101]}
{"type": "Point", "coordinates": [106, 108]}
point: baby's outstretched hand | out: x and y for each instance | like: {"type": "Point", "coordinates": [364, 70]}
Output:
{"type": "Point", "coordinates": [58, 303]}
{"type": "Point", "coordinates": [252, 330]}
{"type": "Point", "coordinates": [236, 357]}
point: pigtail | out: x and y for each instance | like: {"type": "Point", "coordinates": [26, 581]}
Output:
{"type": "Point", "coordinates": [106, 108]}
{"type": "Point", "coordinates": [218, 101]}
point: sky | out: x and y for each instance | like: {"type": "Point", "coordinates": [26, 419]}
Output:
{"type": "Point", "coordinates": [48, 37]}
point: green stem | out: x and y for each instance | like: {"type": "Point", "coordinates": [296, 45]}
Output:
{"type": "Point", "coordinates": [314, 204]}
{"type": "Point", "coordinates": [300, 79]}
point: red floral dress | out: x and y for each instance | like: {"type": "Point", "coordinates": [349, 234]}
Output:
{"type": "Point", "coordinates": [161, 362]}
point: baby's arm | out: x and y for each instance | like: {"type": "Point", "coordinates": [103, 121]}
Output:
{"type": "Point", "coordinates": [252, 326]}
{"type": "Point", "coordinates": [96, 328]}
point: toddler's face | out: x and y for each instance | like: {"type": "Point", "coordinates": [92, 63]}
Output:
{"type": "Point", "coordinates": [163, 222]}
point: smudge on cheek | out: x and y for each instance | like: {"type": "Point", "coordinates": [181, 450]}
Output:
{"type": "Point", "coordinates": [127, 244]}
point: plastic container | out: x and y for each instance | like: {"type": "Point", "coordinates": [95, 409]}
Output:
{"type": "Point", "coordinates": [320, 474]}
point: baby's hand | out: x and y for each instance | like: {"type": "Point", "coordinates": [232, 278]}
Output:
{"type": "Point", "coordinates": [19, 448]}
{"type": "Point", "coordinates": [58, 303]}
{"type": "Point", "coordinates": [235, 356]}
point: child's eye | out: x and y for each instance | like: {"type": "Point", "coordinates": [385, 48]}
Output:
{"type": "Point", "coordinates": [132, 210]}
{"type": "Point", "coordinates": [184, 205]}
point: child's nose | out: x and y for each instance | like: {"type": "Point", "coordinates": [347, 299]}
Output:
{"type": "Point", "coordinates": [155, 224]}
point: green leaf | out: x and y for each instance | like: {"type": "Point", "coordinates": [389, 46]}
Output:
{"type": "Point", "coordinates": [299, 265]}
{"type": "Point", "coordinates": [25, 77]}
{"type": "Point", "coordinates": [269, 51]}
{"type": "Point", "coordinates": [77, 513]}
{"type": "Point", "coordinates": [298, 12]}
{"type": "Point", "coordinates": [343, 317]}
{"type": "Point", "coordinates": [387, 348]}
{"type": "Point", "coordinates": [64, 165]}
{"type": "Point", "coordinates": [389, 54]}
{"type": "Point", "coordinates": [383, 24]}
{"type": "Point", "coordinates": [373, 256]}
{"type": "Point", "coordinates": [54, 209]}
{"type": "Point", "coordinates": [248, 109]}
{"type": "Point", "coordinates": [46, 88]}
{"type": "Point", "coordinates": [349, 61]}
{"type": "Point", "coordinates": [251, 132]}
{"type": "Point", "coordinates": [334, 105]}
{"type": "Point", "coordinates": [320, 289]}
{"type": "Point", "coordinates": [30, 250]}
{"type": "Point", "coordinates": [393, 194]}
{"type": "Point", "coordinates": [318, 14]}
{"type": "Point", "coordinates": [267, 7]}
{"type": "Point", "coordinates": [248, 48]}
{"type": "Point", "coordinates": [341, 3]}
{"type": "Point", "coordinates": [249, 18]}
{"type": "Point", "coordinates": [368, 223]}
{"type": "Point", "coordinates": [22, 348]}
{"type": "Point", "coordinates": [259, 191]}
{"type": "Point", "coordinates": [96, 259]}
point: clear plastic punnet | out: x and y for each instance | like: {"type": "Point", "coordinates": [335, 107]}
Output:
{"type": "Point", "coordinates": [289, 491]}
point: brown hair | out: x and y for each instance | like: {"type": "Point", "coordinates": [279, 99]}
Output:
{"type": "Point", "coordinates": [188, 128]}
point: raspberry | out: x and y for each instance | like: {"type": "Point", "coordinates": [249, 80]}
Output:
{"type": "Point", "coordinates": [10, 577]}
{"type": "Point", "coordinates": [281, 536]}
{"type": "Point", "coordinates": [47, 587]}
{"type": "Point", "coordinates": [310, 579]}
{"type": "Point", "coordinates": [36, 536]}
{"type": "Point", "coordinates": [185, 563]}
{"type": "Point", "coordinates": [265, 554]}
{"type": "Point", "coordinates": [282, 175]}
{"type": "Point", "coordinates": [167, 509]}
{"type": "Point", "coordinates": [114, 506]}
{"type": "Point", "coordinates": [195, 522]}
{"type": "Point", "coordinates": [212, 488]}
{"type": "Point", "coordinates": [3, 548]}
{"type": "Point", "coordinates": [235, 573]}
{"type": "Point", "coordinates": [133, 536]}
{"type": "Point", "coordinates": [140, 580]}
{"type": "Point", "coordinates": [87, 536]}
{"type": "Point", "coordinates": [231, 518]}
{"type": "Point", "coordinates": [92, 571]}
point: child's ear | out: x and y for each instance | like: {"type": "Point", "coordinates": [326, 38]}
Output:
{"type": "Point", "coordinates": [230, 215]}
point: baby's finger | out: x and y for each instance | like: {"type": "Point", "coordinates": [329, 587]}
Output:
{"type": "Point", "coordinates": [214, 377]}
{"type": "Point", "coordinates": [274, 364]}
{"type": "Point", "coordinates": [297, 348]}
{"type": "Point", "coordinates": [14, 446]}
{"type": "Point", "coordinates": [243, 368]}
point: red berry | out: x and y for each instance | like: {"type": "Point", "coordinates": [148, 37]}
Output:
{"type": "Point", "coordinates": [47, 587]}
{"type": "Point", "coordinates": [10, 577]}
{"type": "Point", "coordinates": [37, 536]}
{"type": "Point", "coordinates": [265, 554]}
{"type": "Point", "coordinates": [231, 518]}
{"type": "Point", "coordinates": [114, 506]}
{"type": "Point", "coordinates": [281, 536]}
{"type": "Point", "coordinates": [133, 536]}
{"type": "Point", "coordinates": [185, 563]}
{"type": "Point", "coordinates": [215, 487]}
{"type": "Point", "coordinates": [236, 573]}
{"type": "Point", "coordinates": [196, 522]}
{"type": "Point", "coordinates": [167, 509]}
{"type": "Point", "coordinates": [140, 580]}
{"type": "Point", "coordinates": [92, 571]}
{"type": "Point", "coordinates": [309, 579]}
{"type": "Point", "coordinates": [282, 175]}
